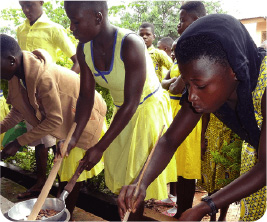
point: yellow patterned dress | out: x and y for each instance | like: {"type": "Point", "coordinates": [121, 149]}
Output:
{"type": "Point", "coordinates": [188, 155]}
{"type": "Point", "coordinates": [211, 172]}
{"type": "Point", "coordinates": [253, 207]}
{"type": "Point", "coordinates": [126, 155]}
{"type": "Point", "coordinates": [162, 62]}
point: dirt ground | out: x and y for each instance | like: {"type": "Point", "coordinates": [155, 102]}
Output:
{"type": "Point", "coordinates": [232, 214]}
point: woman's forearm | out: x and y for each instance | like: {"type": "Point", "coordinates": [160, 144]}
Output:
{"type": "Point", "coordinates": [242, 187]}
{"type": "Point", "coordinates": [83, 112]}
{"type": "Point", "coordinates": [169, 142]}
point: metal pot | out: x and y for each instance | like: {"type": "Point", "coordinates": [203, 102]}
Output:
{"type": "Point", "coordinates": [21, 210]}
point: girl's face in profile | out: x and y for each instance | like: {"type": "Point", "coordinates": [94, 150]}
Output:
{"type": "Point", "coordinates": [83, 22]}
{"type": "Point", "coordinates": [209, 84]}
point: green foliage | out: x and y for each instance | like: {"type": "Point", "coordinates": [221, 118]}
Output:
{"type": "Point", "coordinates": [230, 159]}
{"type": "Point", "coordinates": [56, 12]}
{"type": "Point", "coordinates": [97, 183]}
{"type": "Point", "coordinates": [25, 159]}
{"type": "Point", "coordinates": [163, 14]}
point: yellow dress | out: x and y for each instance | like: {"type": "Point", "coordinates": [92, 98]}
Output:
{"type": "Point", "coordinates": [188, 154]}
{"type": "Point", "coordinates": [253, 207]}
{"type": "Point", "coordinates": [211, 172]}
{"type": "Point", "coordinates": [127, 154]}
{"type": "Point", "coordinates": [4, 110]}
{"type": "Point", "coordinates": [70, 163]}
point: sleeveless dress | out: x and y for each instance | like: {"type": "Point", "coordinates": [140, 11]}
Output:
{"type": "Point", "coordinates": [253, 207]}
{"type": "Point", "coordinates": [126, 155]}
{"type": "Point", "coordinates": [188, 155]}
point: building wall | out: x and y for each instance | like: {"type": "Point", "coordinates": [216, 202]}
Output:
{"type": "Point", "coordinates": [256, 28]}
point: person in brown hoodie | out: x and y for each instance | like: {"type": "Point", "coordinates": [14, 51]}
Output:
{"type": "Point", "coordinates": [45, 95]}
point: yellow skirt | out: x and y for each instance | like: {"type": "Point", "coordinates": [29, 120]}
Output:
{"type": "Point", "coordinates": [188, 154]}
{"type": "Point", "coordinates": [70, 163]}
{"type": "Point", "coordinates": [4, 110]}
{"type": "Point", "coordinates": [127, 154]}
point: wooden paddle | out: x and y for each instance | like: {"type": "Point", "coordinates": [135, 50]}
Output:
{"type": "Point", "coordinates": [126, 216]}
{"type": "Point", "coordinates": [50, 180]}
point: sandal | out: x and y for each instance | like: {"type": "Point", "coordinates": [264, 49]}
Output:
{"type": "Point", "coordinates": [170, 201]}
{"type": "Point", "coordinates": [171, 212]}
{"type": "Point", "coordinates": [29, 194]}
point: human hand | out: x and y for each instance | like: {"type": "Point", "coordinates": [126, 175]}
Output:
{"type": "Point", "coordinates": [10, 149]}
{"type": "Point", "coordinates": [193, 214]}
{"type": "Point", "coordinates": [60, 144]}
{"type": "Point", "coordinates": [128, 200]}
{"type": "Point", "coordinates": [91, 158]}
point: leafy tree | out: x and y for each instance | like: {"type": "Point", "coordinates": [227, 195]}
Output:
{"type": "Point", "coordinates": [163, 14]}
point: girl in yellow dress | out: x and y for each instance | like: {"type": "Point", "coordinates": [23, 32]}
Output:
{"type": "Point", "coordinates": [117, 59]}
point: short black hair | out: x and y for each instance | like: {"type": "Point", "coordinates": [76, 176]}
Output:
{"type": "Point", "coordinates": [167, 41]}
{"type": "Point", "coordinates": [145, 25]}
{"type": "Point", "coordinates": [194, 7]}
{"type": "Point", "coordinates": [9, 46]}
{"type": "Point", "coordinates": [200, 46]}
{"type": "Point", "coordinates": [97, 6]}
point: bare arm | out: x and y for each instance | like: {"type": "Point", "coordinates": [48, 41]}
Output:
{"type": "Point", "coordinates": [177, 87]}
{"type": "Point", "coordinates": [85, 100]}
{"type": "Point", "coordinates": [167, 81]}
{"type": "Point", "coordinates": [11, 120]}
{"type": "Point", "coordinates": [163, 153]}
{"type": "Point", "coordinates": [254, 180]}
{"type": "Point", "coordinates": [133, 55]}
{"type": "Point", "coordinates": [75, 67]}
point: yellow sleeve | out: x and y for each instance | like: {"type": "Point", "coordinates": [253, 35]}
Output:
{"type": "Point", "coordinates": [166, 60]}
{"type": "Point", "coordinates": [62, 41]}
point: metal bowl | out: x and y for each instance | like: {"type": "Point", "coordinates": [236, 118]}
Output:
{"type": "Point", "coordinates": [21, 210]}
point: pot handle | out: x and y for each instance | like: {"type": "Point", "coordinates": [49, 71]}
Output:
{"type": "Point", "coordinates": [64, 195]}
{"type": "Point", "coordinates": [68, 188]}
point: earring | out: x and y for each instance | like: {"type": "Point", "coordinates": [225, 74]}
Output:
{"type": "Point", "coordinates": [12, 63]}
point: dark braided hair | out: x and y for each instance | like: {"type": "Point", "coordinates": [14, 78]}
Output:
{"type": "Point", "coordinates": [199, 46]}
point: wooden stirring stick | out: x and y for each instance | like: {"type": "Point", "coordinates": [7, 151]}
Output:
{"type": "Point", "coordinates": [126, 216]}
{"type": "Point", "coordinates": [51, 177]}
